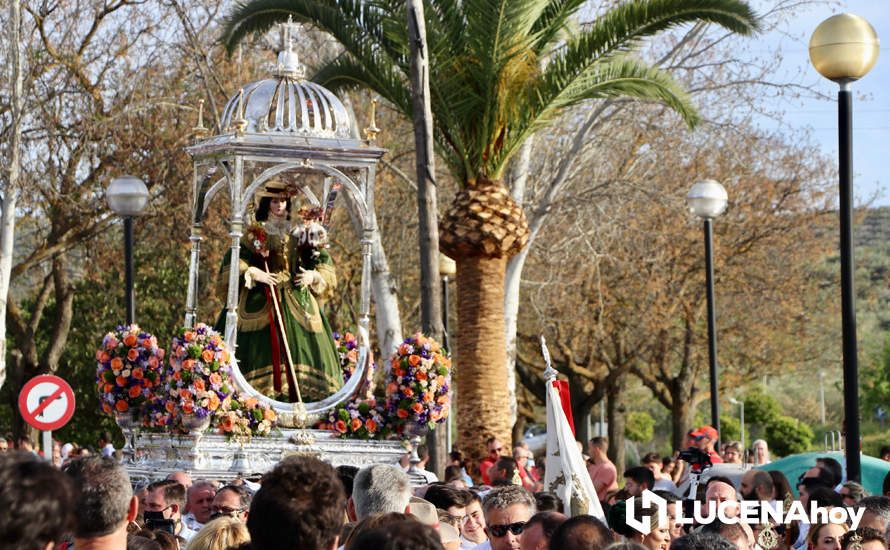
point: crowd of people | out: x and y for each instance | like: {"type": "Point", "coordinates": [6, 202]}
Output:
{"type": "Point", "coordinates": [89, 502]}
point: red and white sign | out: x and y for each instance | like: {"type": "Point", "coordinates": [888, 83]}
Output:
{"type": "Point", "coordinates": [46, 402]}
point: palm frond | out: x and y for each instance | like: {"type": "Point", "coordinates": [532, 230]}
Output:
{"type": "Point", "coordinates": [554, 20]}
{"type": "Point", "coordinates": [614, 77]}
{"type": "Point", "coordinates": [350, 71]}
{"type": "Point", "coordinates": [353, 23]}
{"type": "Point", "coordinates": [623, 27]}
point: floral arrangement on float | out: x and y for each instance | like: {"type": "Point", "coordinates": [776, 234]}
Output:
{"type": "Point", "coordinates": [417, 395]}
{"type": "Point", "coordinates": [361, 417]}
{"type": "Point", "coordinates": [197, 378]}
{"type": "Point", "coordinates": [347, 350]}
{"type": "Point", "coordinates": [358, 418]}
{"type": "Point", "coordinates": [129, 368]}
{"type": "Point", "coordinates": [418, 389]}
{"type": "Point", "coordinates": [241, 416]}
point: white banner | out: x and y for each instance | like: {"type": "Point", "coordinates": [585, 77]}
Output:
{"type": "Point", "coordinates": [566, 472]}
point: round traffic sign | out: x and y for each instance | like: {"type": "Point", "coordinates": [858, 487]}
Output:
{"type": "Point", "coordinates": [46, 402]}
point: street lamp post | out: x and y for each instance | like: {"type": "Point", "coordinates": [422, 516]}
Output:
{"type": "Point", "coordinates": [447, 269]}
{"type": "Point", "coordinates": [741, 404]}
{"type": "Point", "coordinates": [707, 199]}
{"type": "Point", "coordinates": [843, 49]}
{"type": "Point", "coordinates": [127, 197]}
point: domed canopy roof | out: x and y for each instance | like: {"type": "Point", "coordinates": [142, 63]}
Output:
{"type": "Point", "coordinates": [287, 104]}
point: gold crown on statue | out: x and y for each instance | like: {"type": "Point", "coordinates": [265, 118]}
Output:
{"type": "Point", "coordinates": [311, 213]}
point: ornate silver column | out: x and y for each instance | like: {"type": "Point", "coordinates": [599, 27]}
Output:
{"type": "Point", "coordinates": [235, 227]}
{"type": "Point", "coordinates": [191, 309]}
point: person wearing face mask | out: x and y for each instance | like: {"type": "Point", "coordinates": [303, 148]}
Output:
{"type": "Point", "coordinates": [288, 328]}
{"type": "Point", "coordinates": [164, 503]}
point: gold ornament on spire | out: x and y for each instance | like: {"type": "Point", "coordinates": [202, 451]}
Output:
{"type": "Point", "coordinates": [372, 130]}
{"type": "Point", "coordinates": [199, 132]}
{"type": "Point", "coordinates": [239, 125]}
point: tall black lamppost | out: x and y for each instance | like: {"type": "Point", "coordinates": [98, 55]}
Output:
{"type": "Point", "coordinates": [127, 197]}
{"type": "Point", "coordinates": [843, 49]}
{"type": "Point", "coordinates": [447, 270]}
{"type": "Point", "coordinates": [707, 200]}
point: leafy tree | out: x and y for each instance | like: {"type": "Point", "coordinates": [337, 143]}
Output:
{"type": "Point", "coordinates": [730, 428]}
{"type": "Point", "coordinates": [640, 426]}
{"type": "Point", "coordinates": [786, 435]}
{"type": "Point", "coordinates": [876, 383]}
{"type": "Point", "coordinates": [490, 93]}
{"type": "Point", "coordinates": [761, 408]}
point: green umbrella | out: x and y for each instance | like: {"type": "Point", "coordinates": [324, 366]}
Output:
{"type": "Point", "coordinates": [793, 466]}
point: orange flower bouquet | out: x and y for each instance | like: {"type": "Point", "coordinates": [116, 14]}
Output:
{"type": "Point", "coordinates": [418, 389]}
{"type": "Point", "coordinates": [357, 419]}
{"type": "Point", "coordinates": [197, 378]}
{"type": "Point", "coordinates": [241, 416]}
{"type": "Point", "coordinates": [129, 367]}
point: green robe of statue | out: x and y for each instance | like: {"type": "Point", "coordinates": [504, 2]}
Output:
{"type": "Point", "coordinates": [309, 337]}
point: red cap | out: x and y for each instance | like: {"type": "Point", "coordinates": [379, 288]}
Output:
{"type": "Point", "coordinates": [705, 431]}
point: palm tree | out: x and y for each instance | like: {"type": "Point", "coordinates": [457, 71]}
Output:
{"type": "Point", "coordinates": [500, 70]}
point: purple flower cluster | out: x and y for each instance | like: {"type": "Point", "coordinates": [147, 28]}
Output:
{"type": "Point", "coordinates": [198, 376]}
{"type": "Point", "coordinates": [358, 419]}
{"type": "Point", "coordinates": [418, 389]}
{"type": "Point", "coordinates": [129, 367]}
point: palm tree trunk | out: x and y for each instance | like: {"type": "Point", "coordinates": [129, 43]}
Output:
{"type": "Point", "coordinates": [482, 396]}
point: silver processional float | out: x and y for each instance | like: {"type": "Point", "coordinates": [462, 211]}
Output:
{"type": "Point", "coordinates": [279, 128]}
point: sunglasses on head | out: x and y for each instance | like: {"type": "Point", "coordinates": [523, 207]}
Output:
{"type": "Point", "coordinates": [499, 531]}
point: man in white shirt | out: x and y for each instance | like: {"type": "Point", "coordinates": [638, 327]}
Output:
{"type": "Point", "coordinates": [198, 504]}
{"type": "Point", "coordinates": [106, 448]}
{"type": "Point", "coordinates": [419, 469]}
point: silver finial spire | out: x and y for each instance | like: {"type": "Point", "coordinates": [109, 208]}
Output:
{"type": "Point", "coordinates": [549, 372]}
{"type": "Point", "coordinates": [288, 63]}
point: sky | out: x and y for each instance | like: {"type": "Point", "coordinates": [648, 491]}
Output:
{"type": "Point", "coordinates": [871, 99]}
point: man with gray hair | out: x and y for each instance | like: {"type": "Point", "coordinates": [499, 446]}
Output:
{"type": "Point", "coordinates": [199, 500]}
{"type": "Point", "coordinates": [105, 503]}
{"type": "Point", "coordinates": [232, 501]}
{"type": "Point", "coordinates": [876, 514]}
{"type": "Point", "coordinates": [507, 509]}
{"type": "Point", "coordinates": [378, 489]}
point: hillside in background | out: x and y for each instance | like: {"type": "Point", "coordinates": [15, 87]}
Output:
{"type": "Point", "coordinates": [873, 229]}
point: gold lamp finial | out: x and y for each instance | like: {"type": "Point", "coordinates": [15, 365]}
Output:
{"type": "Point", "coordinates": [199, 131]}
{"type": "Point", "coordinates": [372, 130]}
{"type": "Point", "coordinates": [844, 48]}
{"type": "Point", "coordinates": [240, 123]}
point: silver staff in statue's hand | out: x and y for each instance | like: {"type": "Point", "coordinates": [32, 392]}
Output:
{"type": "Point", "coordinates": [549, 372]}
